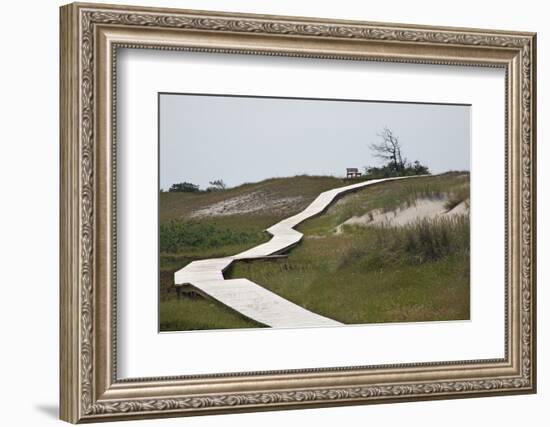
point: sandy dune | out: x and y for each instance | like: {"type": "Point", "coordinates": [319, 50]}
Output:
{"type": "Point", "coordinates": [247, 203]}
{"type": "Point", "coordinates": [421, 209]}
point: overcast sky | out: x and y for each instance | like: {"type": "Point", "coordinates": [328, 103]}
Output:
{"type": "Point", "coordinates": [239, 140]}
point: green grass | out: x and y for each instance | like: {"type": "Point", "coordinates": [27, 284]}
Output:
{"type": "Point", "coordinates": [371, 275]}
{"type": "Point", "coordinates": [189, 314]}
{"type": "Point", "coordinates": [363, 275]}
{"type": "Point", "coordinates": [184, 238]}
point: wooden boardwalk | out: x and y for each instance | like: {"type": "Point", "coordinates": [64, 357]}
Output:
{"type": "Point", "coordinates": [266, 307]}
{"type": "Point", "coordinates": [251, 299]}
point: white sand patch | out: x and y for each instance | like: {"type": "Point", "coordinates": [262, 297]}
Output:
{"type": "Point", "coordinates": [420, 210]}
{"type": "Point", "coordinates": [247, 203]}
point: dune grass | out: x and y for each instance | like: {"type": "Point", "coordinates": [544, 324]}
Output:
{"type": "Point", "coordinates": [386, 197]}
{"type": "Point", "coordinates": [458, 195]}
{"type": "Point", "coordinates": [371, 275]}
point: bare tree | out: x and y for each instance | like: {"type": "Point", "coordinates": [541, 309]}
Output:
{"type": "Point", "coordinates": [217, 185]}
{"type": "Point", "coordinates": [389, 149]}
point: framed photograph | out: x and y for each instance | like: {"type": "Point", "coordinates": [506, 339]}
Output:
{"type": "Point", "coordinates": [266, 212]}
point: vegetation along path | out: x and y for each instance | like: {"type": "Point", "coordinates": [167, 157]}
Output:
{"type": "Point", "coordinates": [251, 299]}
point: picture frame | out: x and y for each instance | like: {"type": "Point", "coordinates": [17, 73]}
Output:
{"type": "Point", "coordinates": [91, 36]}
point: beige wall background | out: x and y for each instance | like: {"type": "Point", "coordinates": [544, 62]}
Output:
{"type": "Point", "coordinates": [29, 170]}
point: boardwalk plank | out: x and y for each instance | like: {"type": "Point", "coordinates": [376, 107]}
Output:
{"type": "Point", "coordinates": [261, 305]}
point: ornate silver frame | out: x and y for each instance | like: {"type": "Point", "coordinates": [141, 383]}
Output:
{"type": "Point", "coordinates": [90, 35]}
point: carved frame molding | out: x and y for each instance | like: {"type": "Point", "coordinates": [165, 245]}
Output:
{"type": "Point", "coordinates": [90, 35]}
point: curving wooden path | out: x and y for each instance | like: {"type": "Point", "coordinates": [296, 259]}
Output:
{"type": "Point", "coordinates": [251, 299]}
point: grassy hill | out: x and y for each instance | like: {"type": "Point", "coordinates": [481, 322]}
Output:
{"type": "Point", "coordinates": [346, 267]}
{"type": "Point", "coordinates": [188, 232]}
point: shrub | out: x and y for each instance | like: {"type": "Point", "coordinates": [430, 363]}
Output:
{"type": "Point", "coordinates": [184, 187]}
{"type": "Point", "coordinates": [390, 171]}
{"type": "Point", "coordinates": [176, 236]}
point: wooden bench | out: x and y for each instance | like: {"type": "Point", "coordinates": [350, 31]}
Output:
{"type": "Point", "coordinates": [353, 173]}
